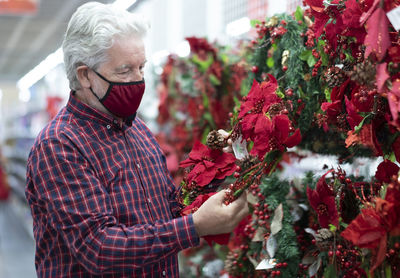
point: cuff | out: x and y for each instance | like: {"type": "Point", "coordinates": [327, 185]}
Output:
{"type": "Point", "coordinates": [185, 232]}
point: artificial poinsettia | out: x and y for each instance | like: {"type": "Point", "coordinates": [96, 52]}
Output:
{"type": "Point", "coordinates": [377, 27]}
{"type": "Point", "coordinates": [394, 101]}
{"type": "Point", "coordinates": [254, 107]}
{"type": "Point", "coordinates": [208, 164]}
{"type": "Point", "coordinates": [275, 135]}
{"type": "Point", "coordinates": [353, 118]}
{"type": "Point", "coordinates": [222, 239]}
{"type": "Point", "coordinates": [386, 170]}
{"type": "Point", "coordinates": [322, 200]}
{"type": "Point", "coordinates": [335, 106]}
{"type": "Point", "coordinates": [367, 230]}
{"type": "Point", "coordinates": [201, 47]}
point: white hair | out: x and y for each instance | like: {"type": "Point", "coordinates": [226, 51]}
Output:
{"type": "Point", "coordinates": [91, 31]}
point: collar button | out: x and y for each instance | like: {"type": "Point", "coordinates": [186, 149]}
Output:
{"type": "Point", "coordinates": [108, 126]}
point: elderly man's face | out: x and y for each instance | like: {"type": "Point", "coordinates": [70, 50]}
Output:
{"type": "Point", "coordinates": [125, 64]}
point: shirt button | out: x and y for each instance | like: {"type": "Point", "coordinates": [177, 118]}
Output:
{"type": "Point", "coordinates": [149, 200]}
{"type": "Point", "coordinates": [164, 273]}
{"type": "Point", "coordinates": [108, 126]}
{"type": "Point", "coordinates": [138, 165]}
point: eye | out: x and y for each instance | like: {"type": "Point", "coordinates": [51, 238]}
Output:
{"type": "Point", "coordinates": [123, 73]}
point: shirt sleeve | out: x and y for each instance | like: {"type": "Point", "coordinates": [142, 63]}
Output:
{"type": "Point", "coordinates": [80, 210]}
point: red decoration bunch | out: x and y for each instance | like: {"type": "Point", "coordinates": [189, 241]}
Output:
{"type": "Point", "coordinates": [196, 95]}
{"type": "Point", "coordinates": [263, 119]}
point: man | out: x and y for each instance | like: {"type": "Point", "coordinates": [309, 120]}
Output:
{"type": "Point", "coordinates": [102, 200]}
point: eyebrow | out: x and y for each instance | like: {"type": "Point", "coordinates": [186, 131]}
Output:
{"type": "Point", "coordinates": [127, 66]}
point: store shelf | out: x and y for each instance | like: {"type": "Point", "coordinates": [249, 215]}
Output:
{"type": "Point", "coordinates": [21, 211]}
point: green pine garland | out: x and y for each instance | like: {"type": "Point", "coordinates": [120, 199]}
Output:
{"type": "Point", "coordinates": [276, 191]}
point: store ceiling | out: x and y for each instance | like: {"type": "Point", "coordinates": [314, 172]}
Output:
{"type": "Point", "coordinates": [25, 40]}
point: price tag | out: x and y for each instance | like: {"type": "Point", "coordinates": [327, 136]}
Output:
{"type": "Point", "coordinates": [394, 17]}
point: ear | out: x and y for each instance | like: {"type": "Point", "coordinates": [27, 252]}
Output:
{"type": "Point", "coordinates": [82, 73]}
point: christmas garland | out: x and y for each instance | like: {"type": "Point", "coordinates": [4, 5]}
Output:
{"type": "Point", "coordinates": [319, 81]}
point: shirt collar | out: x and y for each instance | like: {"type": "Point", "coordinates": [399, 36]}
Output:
{"type": "Point", "coordinates": [85, 111]}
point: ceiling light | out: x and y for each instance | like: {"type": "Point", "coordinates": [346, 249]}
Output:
{"type": "Point", "coordinates": [38, 72]}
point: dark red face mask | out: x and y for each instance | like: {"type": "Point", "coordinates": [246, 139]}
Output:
{"type": "Point", "coordinates": [122, 98]}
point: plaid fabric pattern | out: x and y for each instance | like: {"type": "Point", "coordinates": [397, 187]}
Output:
{"type": "Point", "coordinates": [102, 200]}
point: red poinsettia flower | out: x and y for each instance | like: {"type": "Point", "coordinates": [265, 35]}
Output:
{"type": "Point", "coordinates": [367, 230]}
{"type": "Point", "coordinates": [389, 208]}
{"type": "Point", "coordinates": [386, 170]}
{"type": "Point", "coordinates": [201, 47]}
{"type": "Point", "coordinates": [334, 107]}
{"type": "Point", "coordinates": [275, 135]}
{"type": "Point", "coordinates": [394, 100]}
{"type": "Point", "coordinates": [254, 107]}
{"type": "Point", "coordinates": [394, 53]}
{"type": "Point", "coordinates": [322, 201]}
{"type": "Point", "coordinates": [239, 234]}
{"type": "Point", "coordinates": [370, 228]}
{"type": "Point", "coordinates": [363, 98]}
{"type": "Point", "coordinates": [353, 118]}
{"type": "Point", "coordinates": [208, 164]}
{"type": "Point", "coordinates": [222, 239]}
{"type": "Point", "coordinates": [377, 27]}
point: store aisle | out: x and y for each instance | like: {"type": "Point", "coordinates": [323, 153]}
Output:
{"type": "Point", "coordinates": [16, 246]}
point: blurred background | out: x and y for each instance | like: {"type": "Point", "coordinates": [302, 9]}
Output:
{"type": "Point", "coordinates": [33, 85]}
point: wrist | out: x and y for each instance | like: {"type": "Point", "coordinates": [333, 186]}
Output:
{"type": "Point", "coordinates": [198, 224]}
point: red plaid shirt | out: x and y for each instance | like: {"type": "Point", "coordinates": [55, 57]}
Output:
{"type": "Point", "coordinates": [102, 200]}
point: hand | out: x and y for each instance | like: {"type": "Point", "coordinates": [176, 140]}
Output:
{"type": "Point", "coordinates": [226, 135]}
{"type": "Point", "coordinates": [214, 217]}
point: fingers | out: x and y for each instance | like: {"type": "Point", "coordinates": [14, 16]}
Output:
{"type": "Point", "coordinates": [224, 133]}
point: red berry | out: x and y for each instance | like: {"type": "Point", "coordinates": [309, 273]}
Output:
{"type": "Point", "coordinates": [254, 69]}
{"type": "Point", "coordinates": [284, 68]}
{"type": "Point", "coordinates": [330, 253]}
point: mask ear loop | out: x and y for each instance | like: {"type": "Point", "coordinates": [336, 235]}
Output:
{"type": "Point", "coordinates": [108, 90]}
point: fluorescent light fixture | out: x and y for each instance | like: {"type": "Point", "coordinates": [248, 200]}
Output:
{"type": "Point", "coordinates": [238, 27]}
{"type": "Point", "coordinates": [1, 94]}
{"type": "Point", "coordinates": [52, 61]}
{"type": "Point", "coordinates": [24, 95]}
{"type": "Point", "coordinates": [183, 49]}
{"type": "Point", "coordinates": [40, 70]}
{"type": "Point", "coordinates": [124, 4]}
